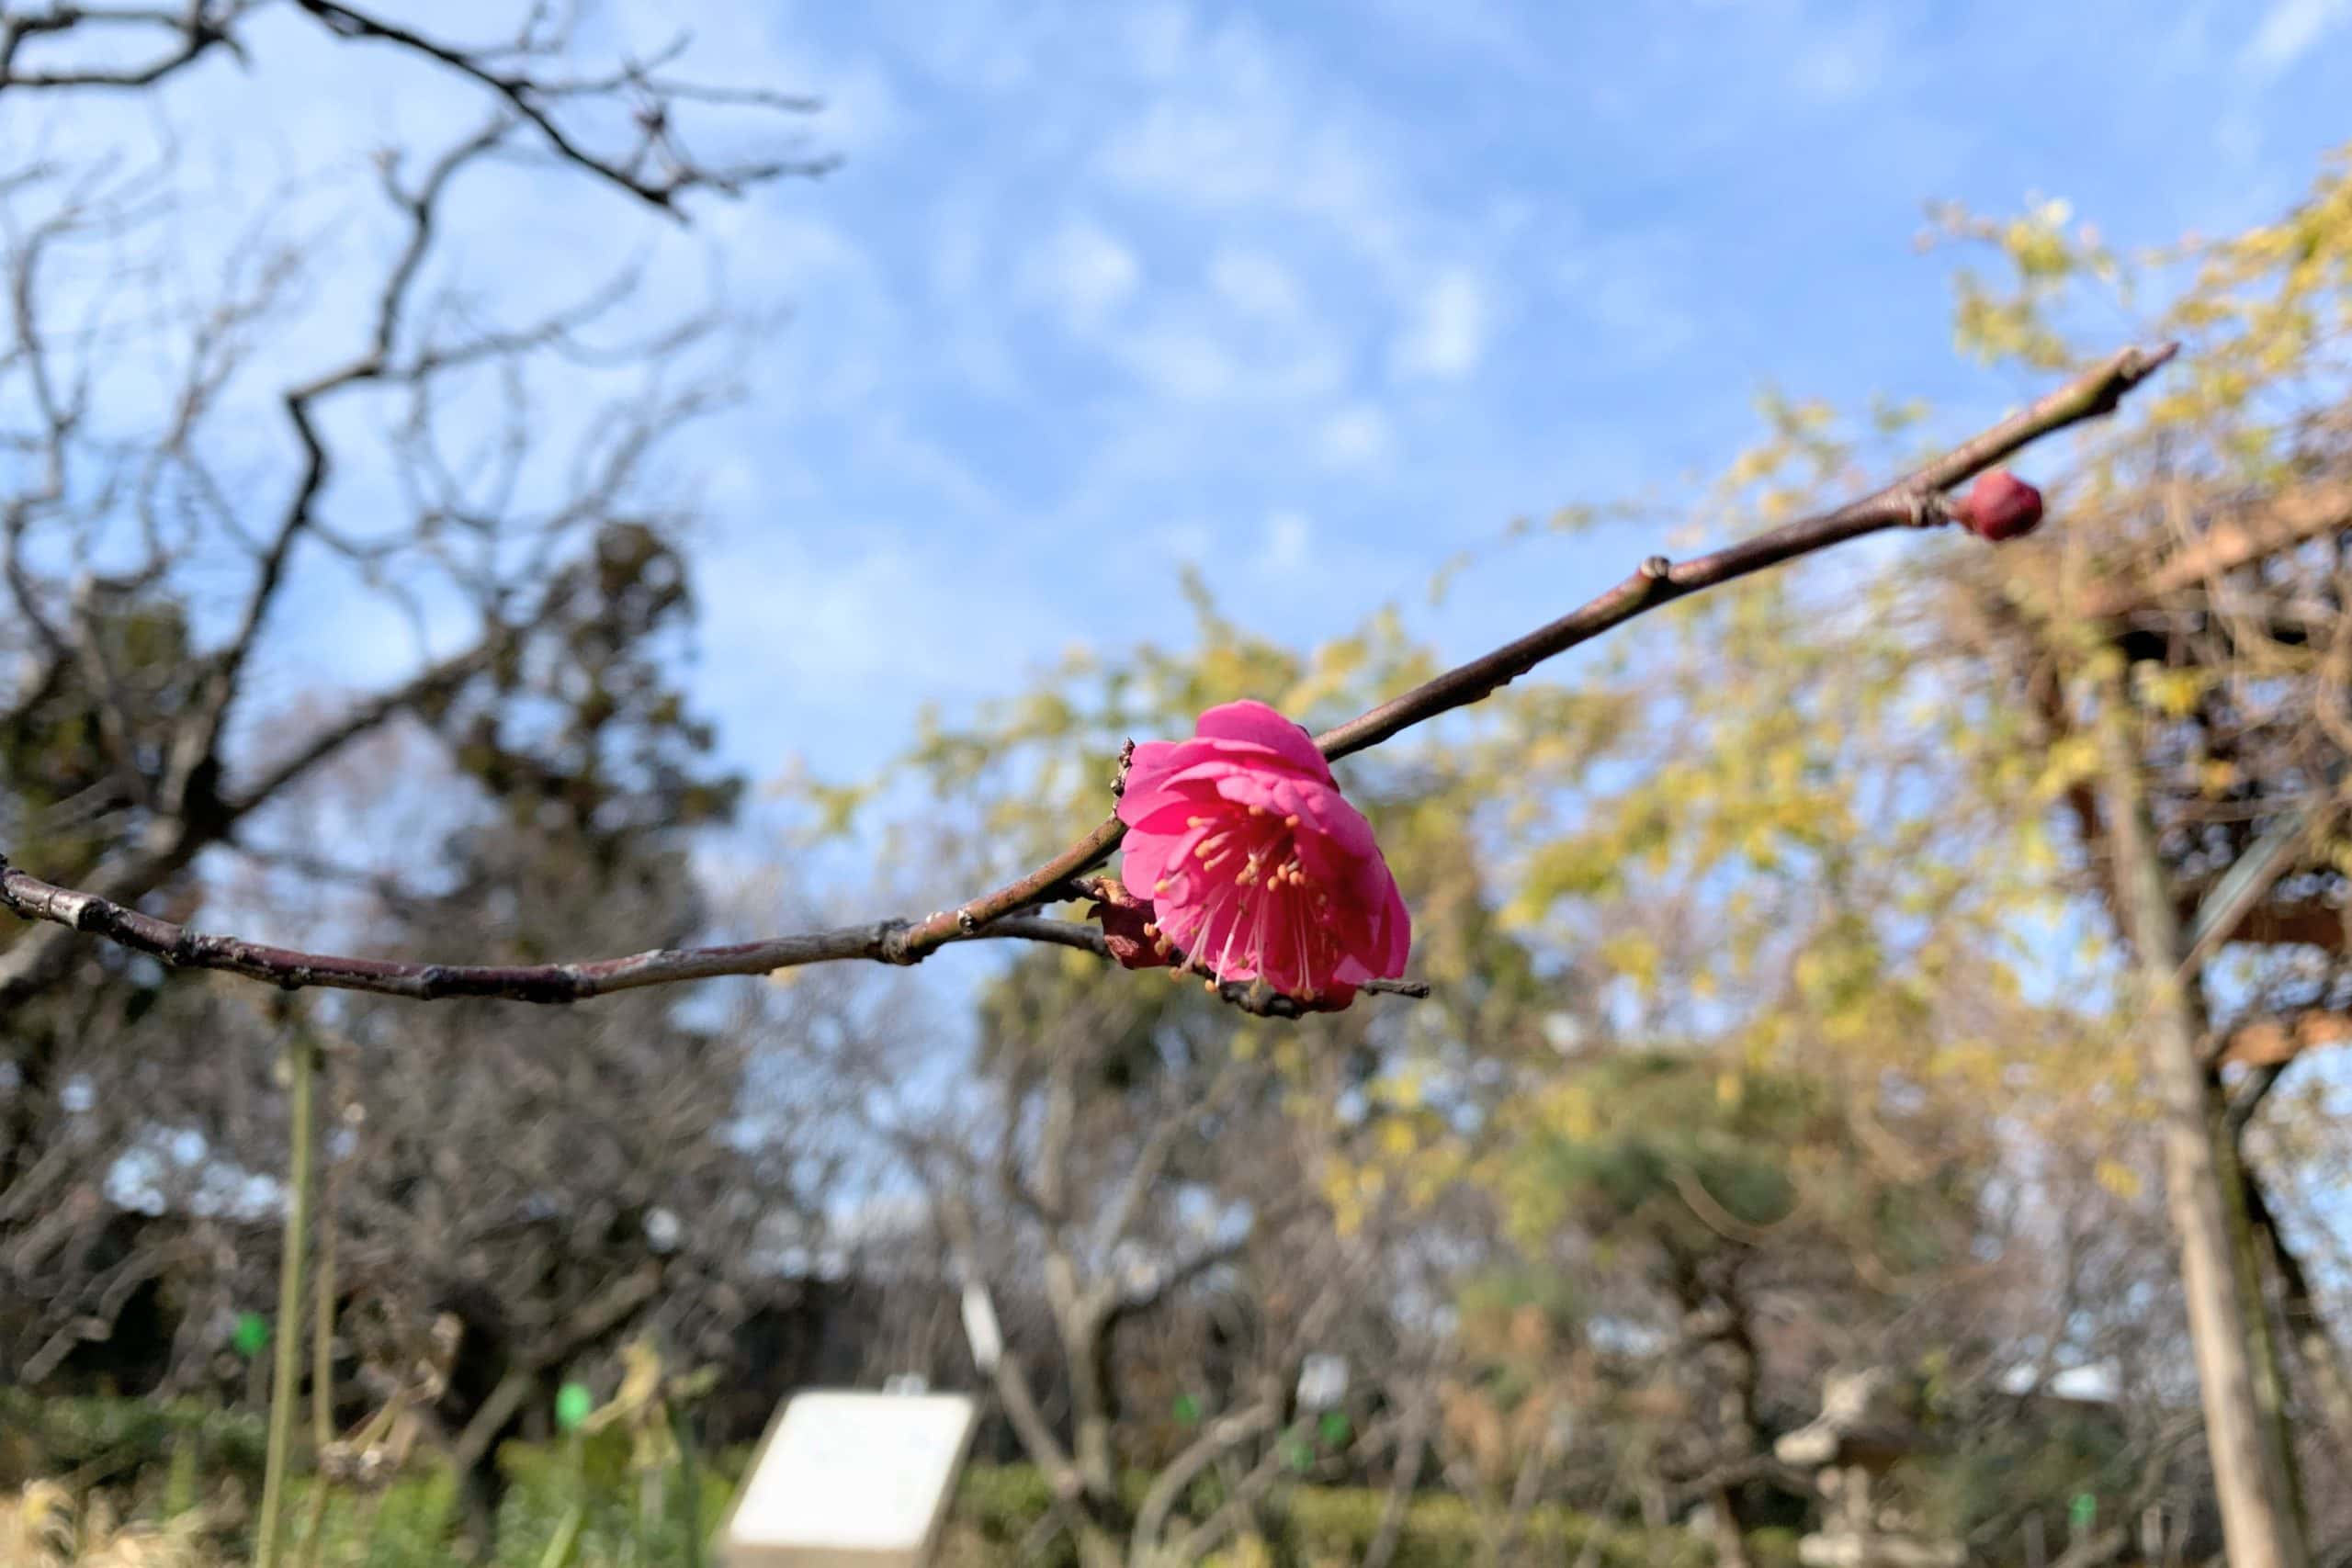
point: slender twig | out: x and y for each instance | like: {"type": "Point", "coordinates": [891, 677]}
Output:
{"type": "Point", "coordinates": [1914, 500]}
{"type": "Point", "coordinates": [301, 1054]}
{"type": "Point", "coordinates": [651, 168]}
{"type": "Point", "coordinates": [531, 98]}
{"type": "Point", "coordinates": [200, 31]}
{"type": "Point", "coordinates": [292, 970]}
{"type": "Point", "coordinates": [322, 1302]}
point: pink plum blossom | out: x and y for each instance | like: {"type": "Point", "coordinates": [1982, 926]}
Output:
{"type": "Point", "coordinates": [1254, 866]}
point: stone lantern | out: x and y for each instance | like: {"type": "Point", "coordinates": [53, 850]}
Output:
{"type": "Point", "coordinates": [1865, 1427]}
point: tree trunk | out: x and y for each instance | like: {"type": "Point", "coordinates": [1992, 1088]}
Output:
{"type": "Point", "coordinates": [1411, 1451]}
{"type": "Point", "coordinates": [1731, 1543]}
{"type": "Point", "coordinates": [2322, 1356]}
{"type": "Point", "coordinates": [2250, 1476]}
{"type": "Point", "coordinates": [2262, 1340]}
{"type": "Point", "coordinates": [1524, 1491]}
{"type": "Point", "coordinates": [1086, 1351]}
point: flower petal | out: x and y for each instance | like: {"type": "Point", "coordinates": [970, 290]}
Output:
{"type": "Point", "coordinates": [1398, 921]}
{"type": "Point", "coordinates": [1259, 725]}
{"type": "Point", "coordinates": [1173, 809]}
{"type": "Point", "coordinates": [1155, 858]}
{"type": "Point", "coordinates": [1147, 765]}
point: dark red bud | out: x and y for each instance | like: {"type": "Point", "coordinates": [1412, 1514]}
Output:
{"type": "Point", "coordinates": [2000, 506]}
{"type": "Point", "coordinates": [1127, 930]}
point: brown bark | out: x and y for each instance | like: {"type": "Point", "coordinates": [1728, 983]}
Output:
{"type": "Point", "coordinates": [2323, 1359]}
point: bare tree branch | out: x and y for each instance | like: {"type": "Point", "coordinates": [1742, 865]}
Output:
{"type": "Point", "coordinates": [2276, 523]}
{"type": "Point", "coordinates": [1151, 1160]}
{"type": "Point", "coordinates": [531, 98]}
{"type": "Point", "coordinates": [1916, 501]}
{"type": "Point", "coordinates": [197, 745]}
{"type": "Point", "coordinates": [201, 27]}
{"type": "Point", "coordinates": [1220, 1437]}
{"type": "Point", "coordinates": [289, 969]}
{"type": "Point", "coordinates": [655, 168]}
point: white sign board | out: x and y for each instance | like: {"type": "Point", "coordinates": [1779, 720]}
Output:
{"type": "Point", "coordinates": [1322, 1382]}
{"type": "Point", "coordinates": [980, 1330]}
{"type": "Point", "coordinates": [849, 1481]}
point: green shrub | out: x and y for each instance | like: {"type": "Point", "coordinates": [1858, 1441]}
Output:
{"type": "Point", "coordinates": [1335, 1525]}
{"type": "Point", "coordinates": [105, 1441]}
{"type": "Point", "coordinates": [166, 1457]}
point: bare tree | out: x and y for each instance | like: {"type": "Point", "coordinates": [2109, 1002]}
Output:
{"type": "Point", "coordinates": [192, 472]}
{"type": "Point", "coordinates": [1126, 1194]}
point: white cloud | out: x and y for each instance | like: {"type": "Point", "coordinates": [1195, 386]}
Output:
{"type": "Point", "coordinates": [862, 114]}
{"type": "Point", "coordinates": [1238, 129]}
{"type": "Point", "coordinates": [1255, 284]}
{"type": "Point", "coordinates": [1355, 437]}
{"type": "Point", "coordinates": [1841, 63]}
{"type": "Point", "coordinates": [1624, 288]}
{"type": "Point", "coordinates": [845, 342]}
{"type": "Point", "coordinates": [1156, 39]}
{"type": "Point", "coordinates": [1249, 338]}
{"type": "Point", "coordinates": [1483, 28]}
{"type": "Point", "coordinates": [1448, 336]}
{"type": "Point", "coordinates": [1181, 364]}
{"type": "Point", "coordinates": [861, 111]}
{"type": "Point", "coordinates": [793, 624]}
{"type": "Point", "coordinates": [1181, 544]}
{"type": "Point", "coordinates": [1287, 538]}
{"type": "Point", "coordinates": [991, 46]}
{"type": "Point", "coordinates": [2238, 136]}
{"type": "Point", "coordinates": [2289, 30]}
{"type": "Point", "coordinates": [1082, 271]}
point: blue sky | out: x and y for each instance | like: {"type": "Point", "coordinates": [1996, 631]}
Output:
{"type": "Point", "coordinates": [1316, 294]}
{"type": "Point", "coordinates": [1312, 295]}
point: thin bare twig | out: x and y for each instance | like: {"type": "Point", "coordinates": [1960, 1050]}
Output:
{"type": "Point", "coordinates": [1914, 500]}
{"type": "Point", "coordinates": [654, 168]}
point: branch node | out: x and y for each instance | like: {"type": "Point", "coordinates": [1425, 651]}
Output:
{"type": "Point", "coordinates": [891, 946]}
